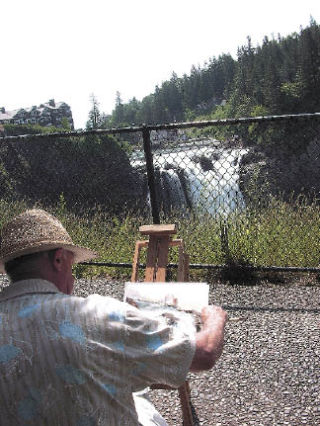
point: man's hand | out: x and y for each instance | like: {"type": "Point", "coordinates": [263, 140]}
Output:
{"type": "Point", "coordinates": [210, 339]}
{"type": "Point", "coordinates": [213, 314]}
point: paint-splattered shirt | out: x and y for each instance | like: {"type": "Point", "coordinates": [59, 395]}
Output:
{"type": "Point", "coordinates": [67, 360]}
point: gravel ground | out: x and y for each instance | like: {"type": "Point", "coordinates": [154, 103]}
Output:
{"type": "Point", "coordinates": [269, 373]}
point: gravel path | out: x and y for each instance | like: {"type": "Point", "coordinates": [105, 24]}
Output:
{"type": "Point", "coordinates": [269, 373]}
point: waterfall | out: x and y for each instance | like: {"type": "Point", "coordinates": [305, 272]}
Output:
{"type": "Point", "coordinates": [203, 177]}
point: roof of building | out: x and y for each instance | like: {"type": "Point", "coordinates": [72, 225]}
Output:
{"type": "Point", "coordinates": [9, 115]}
{"type": "Point", "coordinates": [6, 116]}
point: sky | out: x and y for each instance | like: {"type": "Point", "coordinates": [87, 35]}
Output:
{"type": "Point", "coordinates": [68, 50]}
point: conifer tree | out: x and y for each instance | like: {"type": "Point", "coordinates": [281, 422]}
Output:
{"type": "Point", "coordinates": [94, 121]}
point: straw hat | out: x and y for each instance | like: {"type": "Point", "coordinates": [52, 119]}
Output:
{"type": "Point", "coordinates": [35, 231]}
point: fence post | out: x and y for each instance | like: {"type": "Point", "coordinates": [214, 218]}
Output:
{"type": "Point", "coordinates": [224, 240]}
{"type": "Point", "coordinates": [150, 175]}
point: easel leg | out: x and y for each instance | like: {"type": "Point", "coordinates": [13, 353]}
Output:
{"type": "Point", "coordinates": [184, 393]}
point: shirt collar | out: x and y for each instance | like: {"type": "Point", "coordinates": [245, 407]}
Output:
{"type": "Point", "coordinates": [31, 286]}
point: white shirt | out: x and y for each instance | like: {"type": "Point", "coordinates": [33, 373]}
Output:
{"type": "Point", "coordinates": [67, 360]}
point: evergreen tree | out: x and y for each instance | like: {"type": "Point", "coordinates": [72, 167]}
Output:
{"type": "Point", "coordinates": [95, 119]}
{"type": "Point", "coordinates": [310, 65]}
{"type": "Point", "coordinates": [119, 110]}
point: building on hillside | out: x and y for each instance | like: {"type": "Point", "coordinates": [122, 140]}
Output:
{"type": "Point", "coordinates": [48, 114]}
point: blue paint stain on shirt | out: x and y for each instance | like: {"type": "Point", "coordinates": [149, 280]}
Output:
{"type": "Point", "coordinates": [72, 331]}
{"type": "Point", "coordinates": [70, 374]}
{"type": "Point", "coordinates": [111, 389]}
{"type": "Point", "coordinates": [28, 310]}
{"type": "Point", "coordinates": [28, 407]}
{"type": "Point", "coordinates": [153, 342]}
{"type": "Point", "coordinates": [35, 394]}
{"type": "Point", "coordinates": [119, 346]}
{"type": "Point", "coordinates": [8, 352]}
{"type": "Point", "coordinates": [86, 421]}
{"type": "Point", "coordinates": [116, 316]}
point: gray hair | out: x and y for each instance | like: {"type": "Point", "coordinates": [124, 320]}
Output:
{"type": "Point", "coordinates": [20, 267]}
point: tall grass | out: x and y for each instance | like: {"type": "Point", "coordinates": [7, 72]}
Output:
{"type": "Point", "coordinates": [282, 234]}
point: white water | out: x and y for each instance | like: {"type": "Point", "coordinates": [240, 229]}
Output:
{"type": "Point", "coordinates": [212, 191]}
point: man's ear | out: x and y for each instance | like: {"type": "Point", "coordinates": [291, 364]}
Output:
{"type": "Point", "coordinates": [57, 259]}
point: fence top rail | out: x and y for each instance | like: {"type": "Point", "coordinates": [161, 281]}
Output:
{"type": "Point", "coordinates": [169, 126]}
{"type": "Point", "coordinates": [257, 268]}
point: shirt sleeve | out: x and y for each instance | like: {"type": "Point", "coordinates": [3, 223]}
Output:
{"type": "Point", "coordinates": [152, 347]}
{"type": "Point", "coordinates": [160, 346]}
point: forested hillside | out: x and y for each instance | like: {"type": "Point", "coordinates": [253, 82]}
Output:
{"type": "Point", "coordinates": [282, 75]}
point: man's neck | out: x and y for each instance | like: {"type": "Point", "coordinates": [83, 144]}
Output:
{"type": "Point", "coordinates": [31, 276]}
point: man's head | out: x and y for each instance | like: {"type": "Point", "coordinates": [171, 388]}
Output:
{"type": "Point", "coordinates": [52, 265]}
{"type": "Point", "coordinates": [34, 244]}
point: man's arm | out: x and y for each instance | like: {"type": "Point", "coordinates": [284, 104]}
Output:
{"type": "Point", "coordinates": [209, 341]}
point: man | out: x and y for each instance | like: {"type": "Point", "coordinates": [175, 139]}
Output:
{"type": "Point", "coordinates": [67, 360]}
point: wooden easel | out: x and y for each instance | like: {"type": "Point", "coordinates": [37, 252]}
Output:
{"type": "Point", "coordinates": [160, 239]}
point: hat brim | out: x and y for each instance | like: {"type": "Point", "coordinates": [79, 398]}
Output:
{"type": "Point", "coordinates": [81, 254]}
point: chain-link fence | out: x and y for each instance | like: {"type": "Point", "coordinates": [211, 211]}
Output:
{"type": "Point", "coordinates": [242, 191]}
{"type": "Point", "coordinates": [83, 171]}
